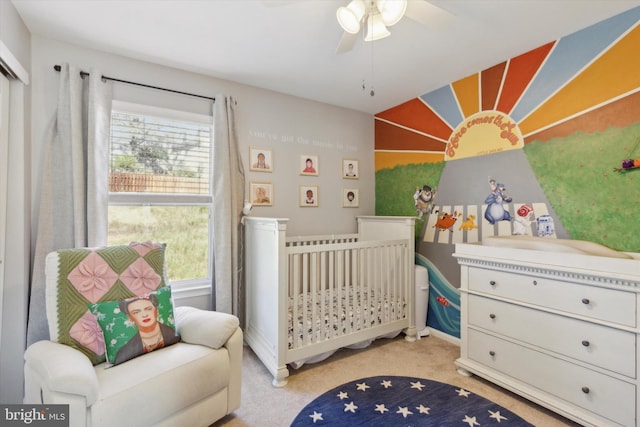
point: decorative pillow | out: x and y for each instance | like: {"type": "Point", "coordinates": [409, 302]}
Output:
{"type": "Point", "coordinates": [135, 326]}
{"type": "Point", "coordinates": [76, 278]}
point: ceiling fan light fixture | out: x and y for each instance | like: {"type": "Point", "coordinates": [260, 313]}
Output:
{"type": "Point", "coordinates": [349, 17]}
{"type": "Point", "coordinates": [376, 29]}
{"type": "Point", "coordinates": [392, 11]}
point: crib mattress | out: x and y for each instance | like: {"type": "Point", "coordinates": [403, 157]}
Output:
{"type": "Point", "coordinates": [347, 310]}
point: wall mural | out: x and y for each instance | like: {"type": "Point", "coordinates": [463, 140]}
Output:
{"type": "Point", "coordinates": [535, 145]}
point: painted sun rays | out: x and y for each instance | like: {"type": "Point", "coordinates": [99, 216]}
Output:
{"type": "Point", "coordinates": [547, 86]}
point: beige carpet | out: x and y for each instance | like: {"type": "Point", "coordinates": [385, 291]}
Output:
{"type": "Point", "coordinates": [432, 358]}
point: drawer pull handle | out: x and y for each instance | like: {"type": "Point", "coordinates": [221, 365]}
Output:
{"type": "Point", "coordinates": [493, 316]}
{"type": "Point", "coordinates": [586, 343]}
{"type": "Point", "coordinates": [535, 283]}
{"type": "Point", "coordinates": [492, 353]}
{"type": "Point", "coordinates": [585, 390]}
{"type": "Point", "coordinates": [585, 300]}
{"type": "Point", "coordinates": [492, 283]}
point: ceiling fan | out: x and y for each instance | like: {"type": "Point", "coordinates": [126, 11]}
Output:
{"type": "Point", "coordinates": [373, 17]}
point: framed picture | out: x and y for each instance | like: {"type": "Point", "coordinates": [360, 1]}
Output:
{"type": "Point", "coordinates": [261, 193]}
{"type": "Point", "coordinates": [350, 169]}
{"type": "Point", "coordinates": [308, 164]}
{"type": "Point", "coordinates": [260, 159]}
{"type": "Point", "coordinates": [308, 195]}
{"type": "Point", "coordinates": [350, 198]}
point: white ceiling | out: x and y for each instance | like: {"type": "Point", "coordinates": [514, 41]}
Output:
{"type": "Point", "coordinates": [289, 45]}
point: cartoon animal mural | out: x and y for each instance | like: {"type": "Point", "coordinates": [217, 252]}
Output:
{"type": "Point", "coordinates": [495, 203]}
{"type": "Point", "coordinates": [446, 220]}
{"type": "Point", "coordinates": [469, 223]}
{"type": "Point", "coordinates": [423, 200]}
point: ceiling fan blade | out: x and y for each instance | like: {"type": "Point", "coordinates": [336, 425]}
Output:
{"type": "Point", "coordinates": [429, 15]}
{"type": "Point", "coordinates": [346, 42]}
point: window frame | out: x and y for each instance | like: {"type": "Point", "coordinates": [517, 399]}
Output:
{"type": "Point", "coordinates": [188, 287]}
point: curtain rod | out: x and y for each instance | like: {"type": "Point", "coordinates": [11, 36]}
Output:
{"type": "Point", "coordinates": [84, 74]}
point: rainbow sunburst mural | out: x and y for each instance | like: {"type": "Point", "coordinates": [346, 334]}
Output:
{"type": "Point", "coordinates": [558, 86]}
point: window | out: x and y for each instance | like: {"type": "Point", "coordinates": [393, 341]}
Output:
{"type": "Point", "coordinates": [160, 186]}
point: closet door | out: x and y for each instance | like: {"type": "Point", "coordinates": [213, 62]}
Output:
{"type": "Point", "coordinates": [4, 178]}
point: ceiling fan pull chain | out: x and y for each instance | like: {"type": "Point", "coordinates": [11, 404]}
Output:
{"type": "Point", "coordinates": [372, 93]}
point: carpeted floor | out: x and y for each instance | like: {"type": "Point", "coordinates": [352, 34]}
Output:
{"type": "Point", "coordinates": [430, 357]}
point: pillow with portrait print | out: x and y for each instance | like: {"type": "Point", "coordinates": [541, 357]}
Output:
{"type": "Point", "coordinates": [135, 326]}
{"type": "Point", "coordinates": [78, 277]}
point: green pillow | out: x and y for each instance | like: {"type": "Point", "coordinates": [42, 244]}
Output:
{"type": "Point", "coordinates": [76, 278]}
{"type": "Point", "coordinates": [135, 326]}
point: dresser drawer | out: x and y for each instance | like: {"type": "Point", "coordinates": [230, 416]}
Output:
{"type": "Point", "coordinates": [598, 345]}
{"type": "Point", "coordinates": [598, 303]}
{"type": "Point", "coordinates": [597, 393]}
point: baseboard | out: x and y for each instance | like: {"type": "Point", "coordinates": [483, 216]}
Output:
{"type": "Point", "coordinates": [449, 338]}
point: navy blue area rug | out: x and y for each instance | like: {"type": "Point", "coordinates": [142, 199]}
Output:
{"type": "Point", "coordinates": [403, 401]}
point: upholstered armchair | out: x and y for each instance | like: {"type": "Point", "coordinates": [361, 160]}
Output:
{"type": "Point", "coordinates": [192, 382]}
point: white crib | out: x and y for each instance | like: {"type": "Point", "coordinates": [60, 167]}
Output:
{"type": "Point", "coordinates": [309, 296]}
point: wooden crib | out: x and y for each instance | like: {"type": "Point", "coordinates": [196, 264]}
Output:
{"type": "Point", "coordinates": [307, 296]}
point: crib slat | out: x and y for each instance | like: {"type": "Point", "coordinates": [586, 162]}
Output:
{"type": "Point", "coordinates": [294, 290]}
{"type": "Point", "coordinates": [362, 282]}
{"type": "Point", "coordinates": [305, 298]}
{"type": "Point", "coordinates": [341, 265]}
{"type": "Point", "coordinates": [313, 290]}
{"type": "Point", "coordinates": [391, 279]}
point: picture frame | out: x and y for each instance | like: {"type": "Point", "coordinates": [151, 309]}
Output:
{"type": "Point", "coordinates": [309, 196]}
{"type": "Point", "coordinates": [350, 198]}
{"type": "Point", "coordinates": [260, 159]}
{"type": "Point", "coordinates": [309, 164]}
{"type": "Point", "coordinates": [350, 169]}
{"type": "Point", "coordinates": [261, 193]}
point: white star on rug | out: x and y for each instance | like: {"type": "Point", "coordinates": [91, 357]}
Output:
{"type": "Point", "coordinates": [316, 416]}
{"type": "Point", "coordinates": [343, 395]}
{"type": "Point", "coordinates": [404, 411]}
{"type": "Point", "coordinates": [386, 383]}
{"type": "Point", "coordinates": [423, 409]}
{"type": "Point", "coordinates": [463, 392]}
{"type": "Point", "coordinates": [350, 407]}
{"type": "Point", "coordinates": [362, 386]}
{"type": "Point", "coordinates": [471, 421]}
{"type": "Point", "coordinates": [381, 408]}
{"type": "Point", "coordinates": [417, 385]}
{"type": "Point", "coordinates": [497, 416]}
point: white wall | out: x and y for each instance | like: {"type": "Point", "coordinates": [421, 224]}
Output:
{"type": "Point", "coordinates": [288, 125]}
{"type": "Point", "coordinates": [15, 36]}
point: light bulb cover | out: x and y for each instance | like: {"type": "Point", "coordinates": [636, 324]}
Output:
{"type": "Point", "coordinates": [349, 17]}
{"type": "Point", "coordinates": [392, 11]}
{"type": "Point", "coordinates": [376, 29]}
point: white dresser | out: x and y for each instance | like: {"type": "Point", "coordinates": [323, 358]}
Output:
{"type": "Point", "coordinates": [560, 329]}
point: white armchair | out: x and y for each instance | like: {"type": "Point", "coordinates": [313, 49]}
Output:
{"type": "Point", "coordinates": [191, 383]}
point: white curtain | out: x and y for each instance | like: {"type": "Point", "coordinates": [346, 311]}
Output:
{"type": "Point", "coordinates": [228, 199]}
{"type": "Point", "coordinates": [73, 199]}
